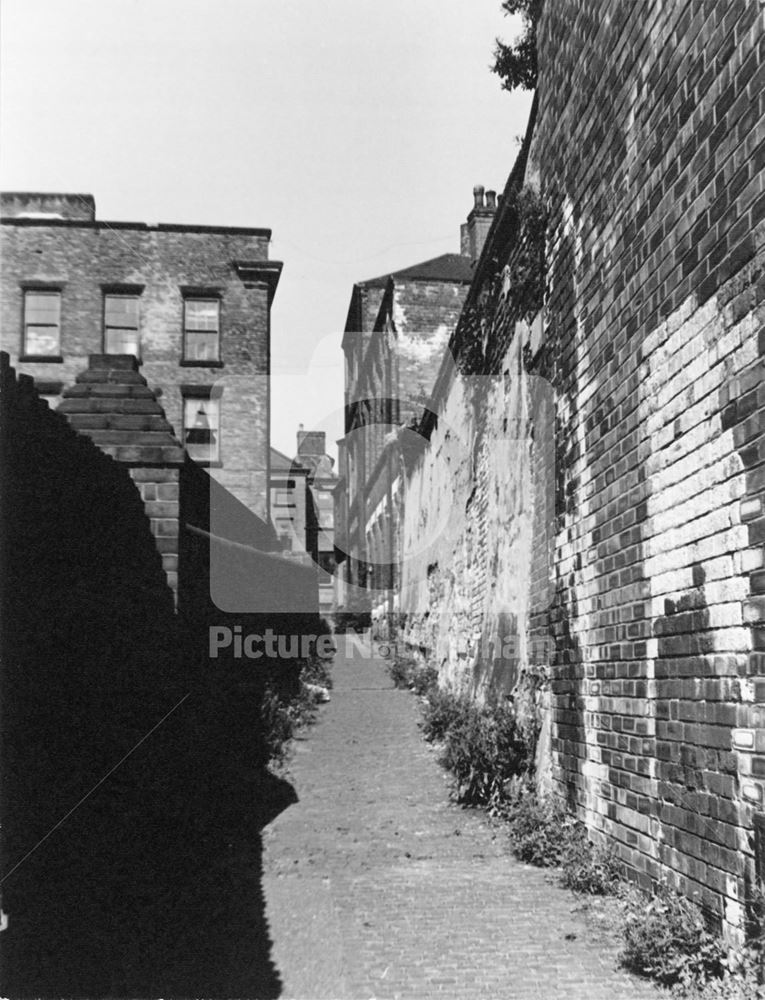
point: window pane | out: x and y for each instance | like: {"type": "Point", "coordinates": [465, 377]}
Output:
{"type": "Point", "coordinates": [121, 342]}
{"type": "Point", "coordinates": [201, 347]}
{"type": "Point", "coordinates": [41, 340]}
{"type": "Point", "coordinates": [42, 312]}
{"type": "Point", "coordinates": [121, 310]}
{"type": "Point", "coordinates": [42, 307]}
{"type": "Point", "coordinates": [201, 432]}
{"type": "Point", "coordinates": [201, 314]}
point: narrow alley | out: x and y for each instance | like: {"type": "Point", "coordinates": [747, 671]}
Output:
{"type": "Point", "coordinates": [376, 886]}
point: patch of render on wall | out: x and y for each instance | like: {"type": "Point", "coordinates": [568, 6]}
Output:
{"type": "Point", "coordinates": [467, 594]}
{"type": "Point", "coordinates": [436, 494]}
{"type": "Point", "coordinates": [422, 347]}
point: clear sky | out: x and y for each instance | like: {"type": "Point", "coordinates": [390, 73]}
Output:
{"type": "Point", "coordinates": [354, 129]}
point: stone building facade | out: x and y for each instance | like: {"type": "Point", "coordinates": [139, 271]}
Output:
{"type": "Point", "coordinates": [191, 303]}
{"type": "Point", "coordinates": [601, 456]}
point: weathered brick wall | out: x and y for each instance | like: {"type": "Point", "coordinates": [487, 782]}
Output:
{"type": "Point", "coordinates": [650, 140]}
{"type": "Point", "coordinates": [80, 258]}
{"type": "Point", "coordinates": [640, 571]}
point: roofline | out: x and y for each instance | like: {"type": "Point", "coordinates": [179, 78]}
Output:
{"type": "Point", "coordinates": [294, 464]}
{"type": "Point", "coordinates": [356, 291]}
{"type": "Point", "coordinates": [383, 282]}
{"type": "Point", "coordinates": [400, 273]}
{"type": "Point", "coordinates": [400, 276]}
{"type": "Point", "coordinates": [162, 227]}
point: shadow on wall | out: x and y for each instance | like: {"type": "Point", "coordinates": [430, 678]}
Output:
{"type": "Point", "coordinates": [567, 674]}
{"type": "Point", "coordinates": [230, 556]}
{"type": "Point", "coordinates": [151, 884]}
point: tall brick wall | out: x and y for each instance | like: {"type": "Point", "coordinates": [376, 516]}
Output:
{"type": "Point", "coordinates": [650, 139]}
{"type": "Point", "coordinates": [632, 574]}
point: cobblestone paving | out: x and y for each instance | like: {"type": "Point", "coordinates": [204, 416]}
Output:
{"type": "Point", "coordinates": [376, 886]}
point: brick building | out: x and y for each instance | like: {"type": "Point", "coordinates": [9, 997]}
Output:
{"type": "Point", "coordinates": [396, 333]}
{"type": "Point", "coordinates": [302, 507]}
{"type": "Point", "coordinates": [288, 484]}
{"type": "Point", "coordinates": [322, 481]}
{"type": "Point", "coordinates": [191, 303]}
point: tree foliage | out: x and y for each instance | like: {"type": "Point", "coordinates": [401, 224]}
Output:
{"type": "Point", "coordinates": [516, 64]}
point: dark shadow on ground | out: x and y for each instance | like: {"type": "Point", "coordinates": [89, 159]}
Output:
{"type": "Point", "coordinates": [152, 888]}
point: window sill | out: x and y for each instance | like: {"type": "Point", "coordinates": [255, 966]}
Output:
{"type": "Point", "coordinates": [50, 359]}
{"type": "Point", "coordinates": [201, 364]}
{"type": "Point", "coordinates": [207, 465]}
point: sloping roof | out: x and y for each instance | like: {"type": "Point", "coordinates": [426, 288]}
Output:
{"type": "Point", "coordinates": [448, 267]}
{"type": "Point", "coordinates": [280, 463]}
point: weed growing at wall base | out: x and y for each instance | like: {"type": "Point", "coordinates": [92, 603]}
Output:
{"type": "Point", "coordinates": [482, 746]}
{"type": "Point", "coordinates": [542, 832]}
{"type": "Point", "coordinates": [667, 939]}
{"type": "Point", "coordinates": [406, 672]}
{"type": "Point", "coordinates": [293, 690]}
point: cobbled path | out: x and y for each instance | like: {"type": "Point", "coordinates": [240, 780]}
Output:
{"type": "Point", "coordinates": [377, 886]}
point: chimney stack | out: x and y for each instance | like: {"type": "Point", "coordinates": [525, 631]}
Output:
{"type": "Point", "coordinates": [473, 233]}
{"type": "Point", "coordinates": [29, 205]}
{"type": "Point", "coordinates": [311, 443]}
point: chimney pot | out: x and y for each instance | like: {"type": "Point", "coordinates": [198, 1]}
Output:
{"type": "Point", "coordinates": [473, 233]}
